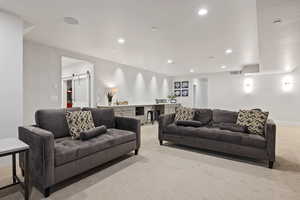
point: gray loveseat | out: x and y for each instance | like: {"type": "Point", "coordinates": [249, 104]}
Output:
{"type": "Point", "coordinates": [55, 156]}
{"type": "Point", "coordinates": [211, 137]}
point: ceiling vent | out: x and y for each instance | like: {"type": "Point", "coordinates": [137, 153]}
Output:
{"type": "Point", "coordinates": [71, 21]}
{"type": "Point", "coordinates": [236, 72]}
{"type": "Point", "coordinates": [247, 69]}
{"type": "Point", "coordinates": [250, 69]}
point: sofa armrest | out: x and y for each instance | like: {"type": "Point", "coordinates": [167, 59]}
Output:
{"type": "Point", "coordinates": [130, 124]}
{"type": "Point", "coordinates": [164, 121]}
{"type": "Point", "coordinates": [270, 134]}
{"type": "Point", "coordinates": [41, 154]}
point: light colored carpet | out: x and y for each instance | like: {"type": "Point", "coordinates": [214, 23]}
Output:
{"type": "Point", "coordinates": [170, 173]}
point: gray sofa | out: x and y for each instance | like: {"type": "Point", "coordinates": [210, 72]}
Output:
{"type": "Point", "coordinates": [211, 137]}
{"type": "Point", "coordinates": [55, 156]}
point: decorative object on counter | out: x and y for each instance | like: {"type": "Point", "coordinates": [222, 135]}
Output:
{"type": "Point", "coordinates": [173, 101]}
{"type": "Point", "coordinates": [172, 98]}
{"type": "Point", "coordinates": [184, 84]}
{"type": "Point", "coordinates": [177, 85]}
{"type": "Point", "coordinates": [121, 102]}
{"type": "Point", "coordinates": [160, 101]}
{"type": "Point", "coordinates": [110, 94]}
{"type": "Point", "coordinates": [185, 93]}
{"type": "Point", "coordinates": [177, 93]}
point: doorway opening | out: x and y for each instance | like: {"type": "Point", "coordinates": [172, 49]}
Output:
{"type": "Point", "coordinates": [195, 96]}
{"type": "Point", "coordinates": [200, 93]}
{"type": "Point", "coordinates": [77, 78]}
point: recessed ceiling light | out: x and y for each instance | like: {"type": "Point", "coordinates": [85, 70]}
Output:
{"type": "Point", "coordinates": [71, 20]}
{"type": "Point", "coordinates": [192, 70]}
{"type": "Point", "coordinates": [224, 67]}
{"type": "Point", "coordinates": [121, 40]}
{"type": "Point", "coordinates": [202, 12]}
{"type": "Point", "coordinates": [228, 51]}
{"type": "Point", "coordinates": [170, 61]}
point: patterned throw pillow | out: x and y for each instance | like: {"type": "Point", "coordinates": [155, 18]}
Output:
{"type": "Point", "coordinates": [78, 122]}
{"type": "Point", "coordinates": [183, 113]}
{"type": "Point", "coordinates": [254, 120]}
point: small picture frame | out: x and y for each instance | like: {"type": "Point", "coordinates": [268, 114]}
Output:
{"type": "Point", "coordinates": [177, 93]}
{"type": "Point", "coordinates": [185, 93]}
{"type": "Point", "coordinates": [185, 84]}
{"type": "Point", "coordinates": [177, 85]}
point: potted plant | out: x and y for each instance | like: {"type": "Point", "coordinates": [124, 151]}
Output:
{"type": "Point", "coordinates": [110, 94]}
{"type": "Point", "coordinates": [172, 98]}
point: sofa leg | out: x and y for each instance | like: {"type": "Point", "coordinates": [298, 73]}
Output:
{"type": "Point", "coordinates": [271, 163]}
{"type": "Point", "coordinates": [136, 152]}
{"type": "Point", "coordinates": [46, 192]}
{"type": "Point", "coordinates": [161, 142]}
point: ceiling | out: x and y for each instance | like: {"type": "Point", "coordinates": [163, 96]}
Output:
{"type": "Point", "coordinates": [279, 43]}
{"type": "Point", "coordinates": [70, 62]}
{"type": "Point", "coordinates": [191, 41]}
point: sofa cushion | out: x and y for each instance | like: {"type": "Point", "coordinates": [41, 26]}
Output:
{"type": "Point", "coordinates": [54, 120]}
{"type": "Point", "coordinates": [203, 115]}
{"type": "Point", "coordinates": [204, 132]}
{"type": "Point", "coordinates": [101, 116]}
{"type": "Point", "coordinates": [230, 137]}
{"type": "Point", "coordinates": [254, 141]}
{"type": "Point", "coordinates": [230, 127]}
{"type": "Point", "coordinates": [225, 116]}
{"type": "Point", "coordinates": [217, 134]}
{"type": "Point", "coordinates": [191, 123]}
{"type": "Point", "coordinates": [183, 113]}
{"type": "Point", "coordinates": [78, 122]}
{"type": "Point", "coordinates": [67, 149]}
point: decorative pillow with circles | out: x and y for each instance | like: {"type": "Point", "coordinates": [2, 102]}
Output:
{"type": "Point", "coordinates": [78, 122]}
{"type": "Point", "coordinates": [183, 113]}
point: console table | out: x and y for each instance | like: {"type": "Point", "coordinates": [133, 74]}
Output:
{"type": "Point", "coordinates": [13, 146]}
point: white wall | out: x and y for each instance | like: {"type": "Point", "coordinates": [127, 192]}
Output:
{"type": "Point", "coordinates": [227, 92]}
{"type": "Point", "coordinates": [42, 84]}
{"type": "Point", "coordinates": [11, 68]}
{"type": "Point", "coordinates": [201, 92]}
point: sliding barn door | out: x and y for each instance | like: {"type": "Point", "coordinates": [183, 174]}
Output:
{"type": "Point", "coordinates": [81, 91]}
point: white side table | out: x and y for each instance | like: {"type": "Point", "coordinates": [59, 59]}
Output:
{"type": "Point", "coordinates": [13, 146]}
